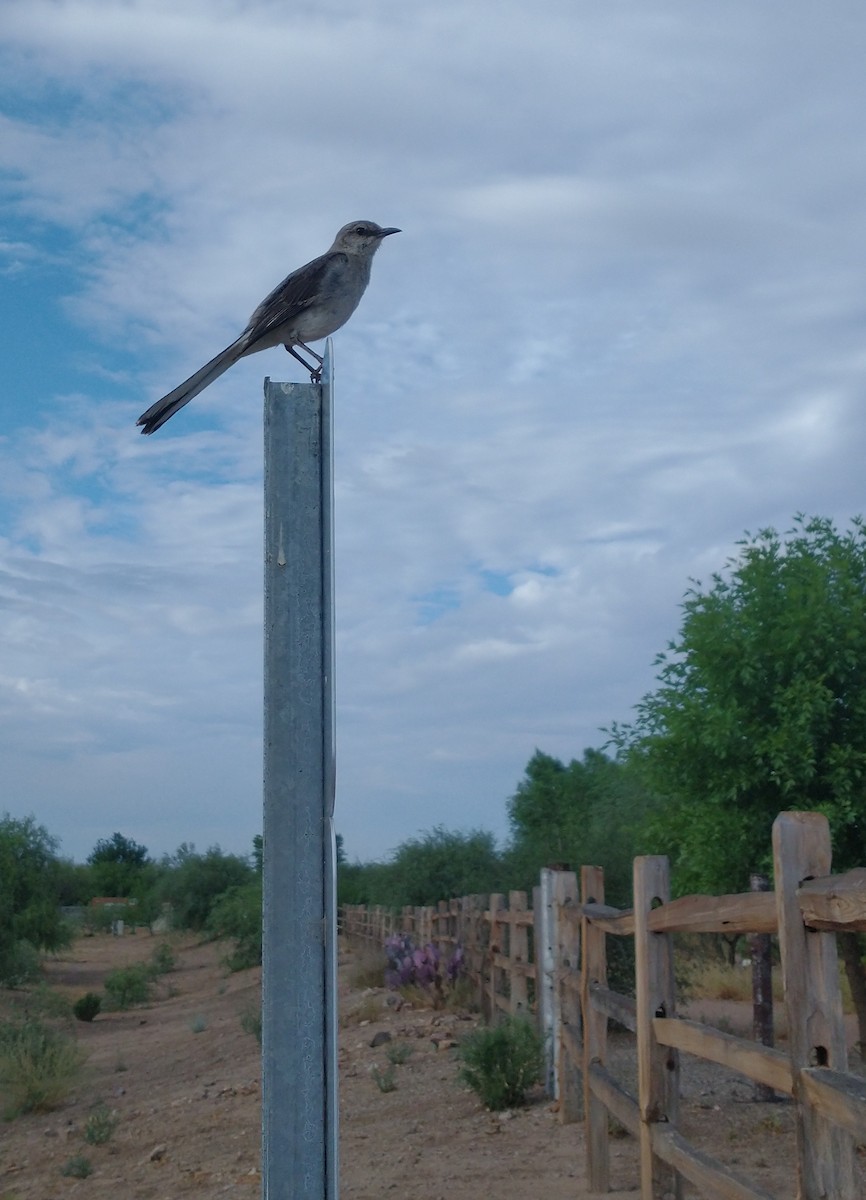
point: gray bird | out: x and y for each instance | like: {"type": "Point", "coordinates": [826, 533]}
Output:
{"type": "Point", "coordinates": [310, 304]}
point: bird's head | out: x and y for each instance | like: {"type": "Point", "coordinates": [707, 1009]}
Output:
{"type": "Point", "coordinates": [361, 237]}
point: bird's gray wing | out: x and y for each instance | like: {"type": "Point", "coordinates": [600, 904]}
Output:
{"type": "Point", "coordinates": [298, 292]}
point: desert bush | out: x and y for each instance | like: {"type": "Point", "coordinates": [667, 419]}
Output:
{"type": "Point", "coordinates": [398, 1053]}
{"type": "Point", "coordinates": [38, 1067]}
{"type": "Point", "coordinates": [162, 960]}
{"type": "Point", "coordinates": [77, 1167]}
{"type": "Point", "coordinates": [86, 1007]}
{"type": "Point", "coordinates": [238, 915]}
{"type": "Point", "coordinates": [251, 1022]}
{"type": "Point", "coordinates": [195, 883]}
{"type": "Point", "coordinates": [385, 1080]}
{"type": "Point", "coordinates": [19, 964]}
{"type": "Point", "coordinates": [126, 986]}
{"type": "Point", "coordinates": [198, 1024]}
{"type": "Point", "coordinates": [100, 1125]}
{"type": "Point", "coordinates": [43, 1001]}
{"type": "Point", "coordinates": [502, 1062]}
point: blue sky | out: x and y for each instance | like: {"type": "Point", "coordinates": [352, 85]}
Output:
{"type": "Point", "coordinates": [625, 321]}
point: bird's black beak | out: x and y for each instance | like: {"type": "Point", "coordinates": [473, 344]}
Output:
{"type": "Point", "coordinates": [383, 233]}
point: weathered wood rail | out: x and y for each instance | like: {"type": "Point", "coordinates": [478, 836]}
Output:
{"type": "Point", "coordinates": [552, 960]}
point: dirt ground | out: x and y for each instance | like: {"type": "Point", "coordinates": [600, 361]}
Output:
{"type": "Point", "coordinates": [183, 1078]}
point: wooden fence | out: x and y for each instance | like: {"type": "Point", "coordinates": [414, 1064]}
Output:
{"type": "Point", "coordinates": [552, 960]}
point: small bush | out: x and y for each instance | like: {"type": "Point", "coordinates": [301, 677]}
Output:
{"type": "Point", "coordinates": [87, 1007]}
{"type": "Point", "coordinates": [251, 1022]}
{"type": "Point", "coordinates": [198, 1024]}
{"type": "Point", "coordinates": [398, 1053]}
{"type": "Point", "coordinates": [502, 1063]}
{"type": "Point", "coordinates": [127, 986]}
{"type": "Point", "coordinates": [19, 964]}
{"type": "Point", "coordinates": [162, 960]}
{"type": "Point", "coordinates": [238, 915]}
{"type": "Point", "coordinates": [100, 1125]}
{"type": "Point", "coordinates": [385, 1080]}
{"type": "Point", "coordinates": [38, 1067]}
{"type": "Point", "coordinates": [77, 1167]}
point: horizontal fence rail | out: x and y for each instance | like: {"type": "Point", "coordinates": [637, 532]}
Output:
{"type": "Point", "coordinates": [551, 960]}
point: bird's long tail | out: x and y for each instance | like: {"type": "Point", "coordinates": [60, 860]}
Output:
{"type": "Point", "coordinates": [159, 413]}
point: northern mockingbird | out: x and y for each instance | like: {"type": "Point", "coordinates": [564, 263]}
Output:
{"type": "Point", "coordinates": [310, 304]}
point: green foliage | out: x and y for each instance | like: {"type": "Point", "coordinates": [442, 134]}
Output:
{"type": "Point", "coordinates": [438, 864]}
{"type": "Point", "coordinates": [30, 917]}
{"type": "Point", "coordinates": [761, 706]}
{"type": "Point", "coordinates": [77, 1167]}
{"type": "Point", "coordinates": [238, 915]}
{"type": "Point", "coordinates": [38, 1067]}
{"type": "Point", "coordinates": [502, 1062]}
{"type": "Point", "coordinates": [198, 1024]}
{"type": "Point", "coordinates": [162, 961]}
{"type": "Point", "coordinates": [398, 1053]}
{"type": "Point", "coordinates": [588, 812]}
{"type": "Point", "coordinates": [43, 1001]}
{"type": "Point", "coordinates": [120, 867]}
{"type": "Point", "coordinates": [100, 1125]}
{"type": "Point", "coordinates": [251, 1022]}
{"type": "Point", "coordinates": [126, 986]}
{"type": "Point", "coordinates": [193, 883]}
{"type": "Point", "coordinates": [385, 1081]}
{"type": "Point", "coordinates": [20, 963]}
{"type": "Point", "coordinates": [87, 1007]}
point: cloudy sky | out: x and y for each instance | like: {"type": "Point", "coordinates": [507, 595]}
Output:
{"type": "Point", "coordinates": [625, 321]}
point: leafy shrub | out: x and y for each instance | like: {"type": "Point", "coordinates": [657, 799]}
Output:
{"type": "Point", "coordinates": [385, 1080]}
{"type": "Point", "coordinates": [398, 1053]}
{"type": "Point", "coordinates": [77, 1167]}
{"type": "Point", "coordinates": [86, 1007]}
{"type": "Point", "coordinates": [198, 1024]}
{"type": "Point", "coordinates": [44, 1001]}
{"type": "Point", "coordinates": [162, 960]}
{"type": "Point", "coordinates": [19, 963]}
{"type": "Point", "coordinates": [197, 882]}
{"type": "Point", "coordinates": [501, 1063]}
{"type": "Point", "coordinates": [38, 1067]}
{"type": "Point", "coordinates": [251, 1022]}
{"type": "Point", "coordinates": [126, 986]}
{"type": "Point", "coordinates": [238, 915]}
{"type": "Point", "coordinates": [100, 1125]}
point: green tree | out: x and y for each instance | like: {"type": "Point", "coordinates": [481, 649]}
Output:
{"type": "Point", "coordinates": [442, 863]}
{"type": "Point", "coordinates": [437, 865]}
{"type": "Point", "coordinates": [586, 812]}
{"type": "Point", "coordinates": [761, 706]}
{"type": "Point", "coordinates": [119, 867]}
{"type": "Point", "coordinates": [29, 895]}
{"type": "Point", "coordinates": [192, 883]}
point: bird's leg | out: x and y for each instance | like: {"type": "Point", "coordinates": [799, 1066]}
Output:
{"type": "Point", "coordinates": [315, 372]}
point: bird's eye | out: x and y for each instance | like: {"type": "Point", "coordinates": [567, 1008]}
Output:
{"type": "Point", "coordinates": [360, 229]}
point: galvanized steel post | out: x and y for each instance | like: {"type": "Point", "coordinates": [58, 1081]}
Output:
{"type": "Point", "coordinates": [299, 1055]}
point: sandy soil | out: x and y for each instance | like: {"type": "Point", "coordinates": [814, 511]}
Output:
{"type": "Point", "coordinates": [183, 1079]}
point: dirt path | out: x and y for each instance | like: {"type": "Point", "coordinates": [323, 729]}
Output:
{"type": "Point", "coordinates": [183, 1078]}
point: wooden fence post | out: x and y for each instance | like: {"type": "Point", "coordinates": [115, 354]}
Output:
{"type": "Point", "coordinates": [594, 971]}
{"type": "Point", "coordinates": [494, 947]}
{"type": "Point", "coordinates": [518, 955]}
{"type": "Point", "coordinates": [816, 1034]}
{"type": "Point", "coordinates": [658, 1066]}
{"type": "Point", "coordinates": [568, 943]}
{"type": "Point", "coordinates": [760, 952]}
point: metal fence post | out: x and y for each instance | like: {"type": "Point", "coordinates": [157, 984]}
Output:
{"type": "Point", "coordinates": [299, 1058]}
